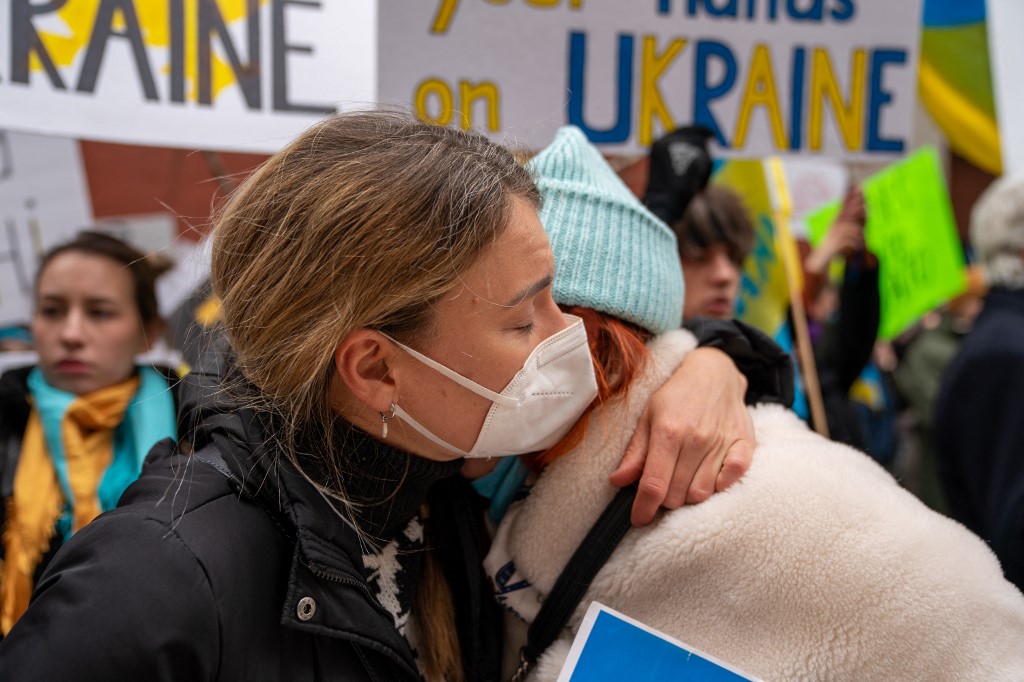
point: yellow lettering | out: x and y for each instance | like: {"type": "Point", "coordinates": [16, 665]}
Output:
{"type": "Point", "coordinates": [651, 102]}
{"type": "Point", "coordinates": [443, 19]}
{"type": "Point", "coordinates": [488, 92]}
{"type": "Point", "coordinates": [446, 10]}
{"type": "Point", "coordinates": [849, 117]}
{"type": "Point", "coordinates": [433, 87]}
{"type": "Point", "coordinates": [760, 92]}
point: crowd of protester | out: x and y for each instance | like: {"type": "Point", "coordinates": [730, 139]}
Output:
{"type": "Point", "coordinates": [362, 413]}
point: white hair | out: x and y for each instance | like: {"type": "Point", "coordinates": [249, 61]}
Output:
{"type": "Point", "coordinates": [997, 232]}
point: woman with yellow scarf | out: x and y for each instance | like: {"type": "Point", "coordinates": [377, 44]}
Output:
{"type": "Point", "coordinates": [75, 428]}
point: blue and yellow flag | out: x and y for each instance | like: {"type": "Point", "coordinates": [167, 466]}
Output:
{"type": "Point", "coordinates": [765, 291]}
{"type": "Point", "coordinates": [955, 79]}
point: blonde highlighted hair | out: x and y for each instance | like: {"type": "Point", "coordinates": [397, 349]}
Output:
{"type": "Point", "coordinates": [364, 221]}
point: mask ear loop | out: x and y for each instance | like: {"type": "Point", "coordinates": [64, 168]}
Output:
{"type": "Point", "coordinates": [385, 418]}
{"type": "Point", "coordinates": [469, 384]}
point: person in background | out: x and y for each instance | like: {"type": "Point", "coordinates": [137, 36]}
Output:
{"type": "Point", "coordinates": [923, 353]}
{"type": "Point", "coordinates": [979, 429]}
{"type": "Point", "coordinates": [843, 320]}
{"type": "Point", "coordinates": [715, 235]}
{"type": "Point", "coordinates": [75, 428]}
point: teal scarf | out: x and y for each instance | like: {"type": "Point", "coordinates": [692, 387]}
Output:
{"type": "Point", "coordinates": [150, 417]}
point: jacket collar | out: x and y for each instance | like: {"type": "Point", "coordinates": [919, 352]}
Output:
{"type": "Point", "coordinates": [327, 567]}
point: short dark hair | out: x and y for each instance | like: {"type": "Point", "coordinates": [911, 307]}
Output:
{"type": "Point", "coordinates": [144, 269]}
{"type": "Point", "coordinates": [715, 215]}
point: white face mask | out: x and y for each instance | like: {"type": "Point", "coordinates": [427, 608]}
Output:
{"type": "Point", "coordinates": [540, 404]}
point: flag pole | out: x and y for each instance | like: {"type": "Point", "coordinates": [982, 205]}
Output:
{"type": "Point", "coordinates": [790, 262]}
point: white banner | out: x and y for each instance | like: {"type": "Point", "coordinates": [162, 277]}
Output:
{"type": "Point", "coordinates": [43, 201]}
{"type": "Point", "coordinates": [241, 75]}
{"type": "Point", "coordinates": [830, 77]}
{"type": "Point", "coordinates": [826, 77]}
{"type": "Point", "coordinates": [1005, 23]}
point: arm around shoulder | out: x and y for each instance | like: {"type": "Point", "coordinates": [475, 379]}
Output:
{"type": "Point", "coordinates": [123, 599]}
{"type": "Point", "coordinates": [767, 368]}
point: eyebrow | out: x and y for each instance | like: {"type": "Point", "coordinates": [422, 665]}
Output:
{"type": "Point", "coordinates": [529, 291]}
{"type": "Point", "coordinates": [60, 298]}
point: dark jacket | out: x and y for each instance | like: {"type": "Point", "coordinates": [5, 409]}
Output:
{"type": "Point", "coordinates": [979, 430]}
{"type": "Point", "coordinates": [14, 412]}
{"type": "Point", "coordinates": [845, 348]}
{"type": "Point", "coordinates": [228, 565]}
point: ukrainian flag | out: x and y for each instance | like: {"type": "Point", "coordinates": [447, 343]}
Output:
{"type": "Point", "coordinates": [955, 79]}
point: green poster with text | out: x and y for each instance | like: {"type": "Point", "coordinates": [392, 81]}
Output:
{"type": "Point", "coordinates": [911, 230]}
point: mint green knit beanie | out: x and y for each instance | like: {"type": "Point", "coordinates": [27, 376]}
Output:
{"type": "Point", "coordinates": [611, 253]}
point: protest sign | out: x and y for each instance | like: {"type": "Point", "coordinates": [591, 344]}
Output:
{"type": "Point", "coordinates": [812, 182]}
{"type": "Point", "coordinates": [910, 228]}
{"type": "Point", "coordinates": [43, 201]}
{"type": "Point", "coordinates": [830, 77]}
{"type": "Point", "coordinates": [833, 77]}
{"type": "Point", "coordinates": [225, 74]}
{"type": "Point", "coordinates": [1005, 23]}
{"type": "Point", "coordinates": [613, 646]}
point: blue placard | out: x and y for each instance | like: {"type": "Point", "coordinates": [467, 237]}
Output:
{"type": "Point", "coordinates": [611, 646]}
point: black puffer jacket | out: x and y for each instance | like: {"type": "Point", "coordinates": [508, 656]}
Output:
{"type": "Point", "coordinates": [222, 566]}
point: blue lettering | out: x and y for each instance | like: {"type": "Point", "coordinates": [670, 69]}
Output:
{"type": "Point", "coordinates": [813, 13]}
{"type": "Point", "coordinates": [728, 10]}
{"type": "Point", "coordinates": [703, 92]}
{"type": "Point", "coordinates": [844, 10]}
{"type": "Point", "coordinates": [577, 89]}
{"type": "Point", "coordinates": [878, 98]}
{"type": "Point", "coordinates": [796, 99]}
{"type": "Point", "coordinates": [798, 10]}
{"type": "Point", "coordinates": [731, 8]}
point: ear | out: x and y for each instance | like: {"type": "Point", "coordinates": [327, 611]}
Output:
{"type": "Point", "coordinates": [363, 362]}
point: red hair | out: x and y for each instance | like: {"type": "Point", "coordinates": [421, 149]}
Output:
{"type": "Point", "coordinates": [620, 353]}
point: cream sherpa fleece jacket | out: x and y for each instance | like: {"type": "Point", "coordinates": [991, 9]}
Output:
{"type": "Point", "coordinates": [816, 565]}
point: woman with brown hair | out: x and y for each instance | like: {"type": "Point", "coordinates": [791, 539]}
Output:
{"type": "Point", "coordinates": [386, 291]}
{"type": "Point", "coordinates": [75, 427]}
